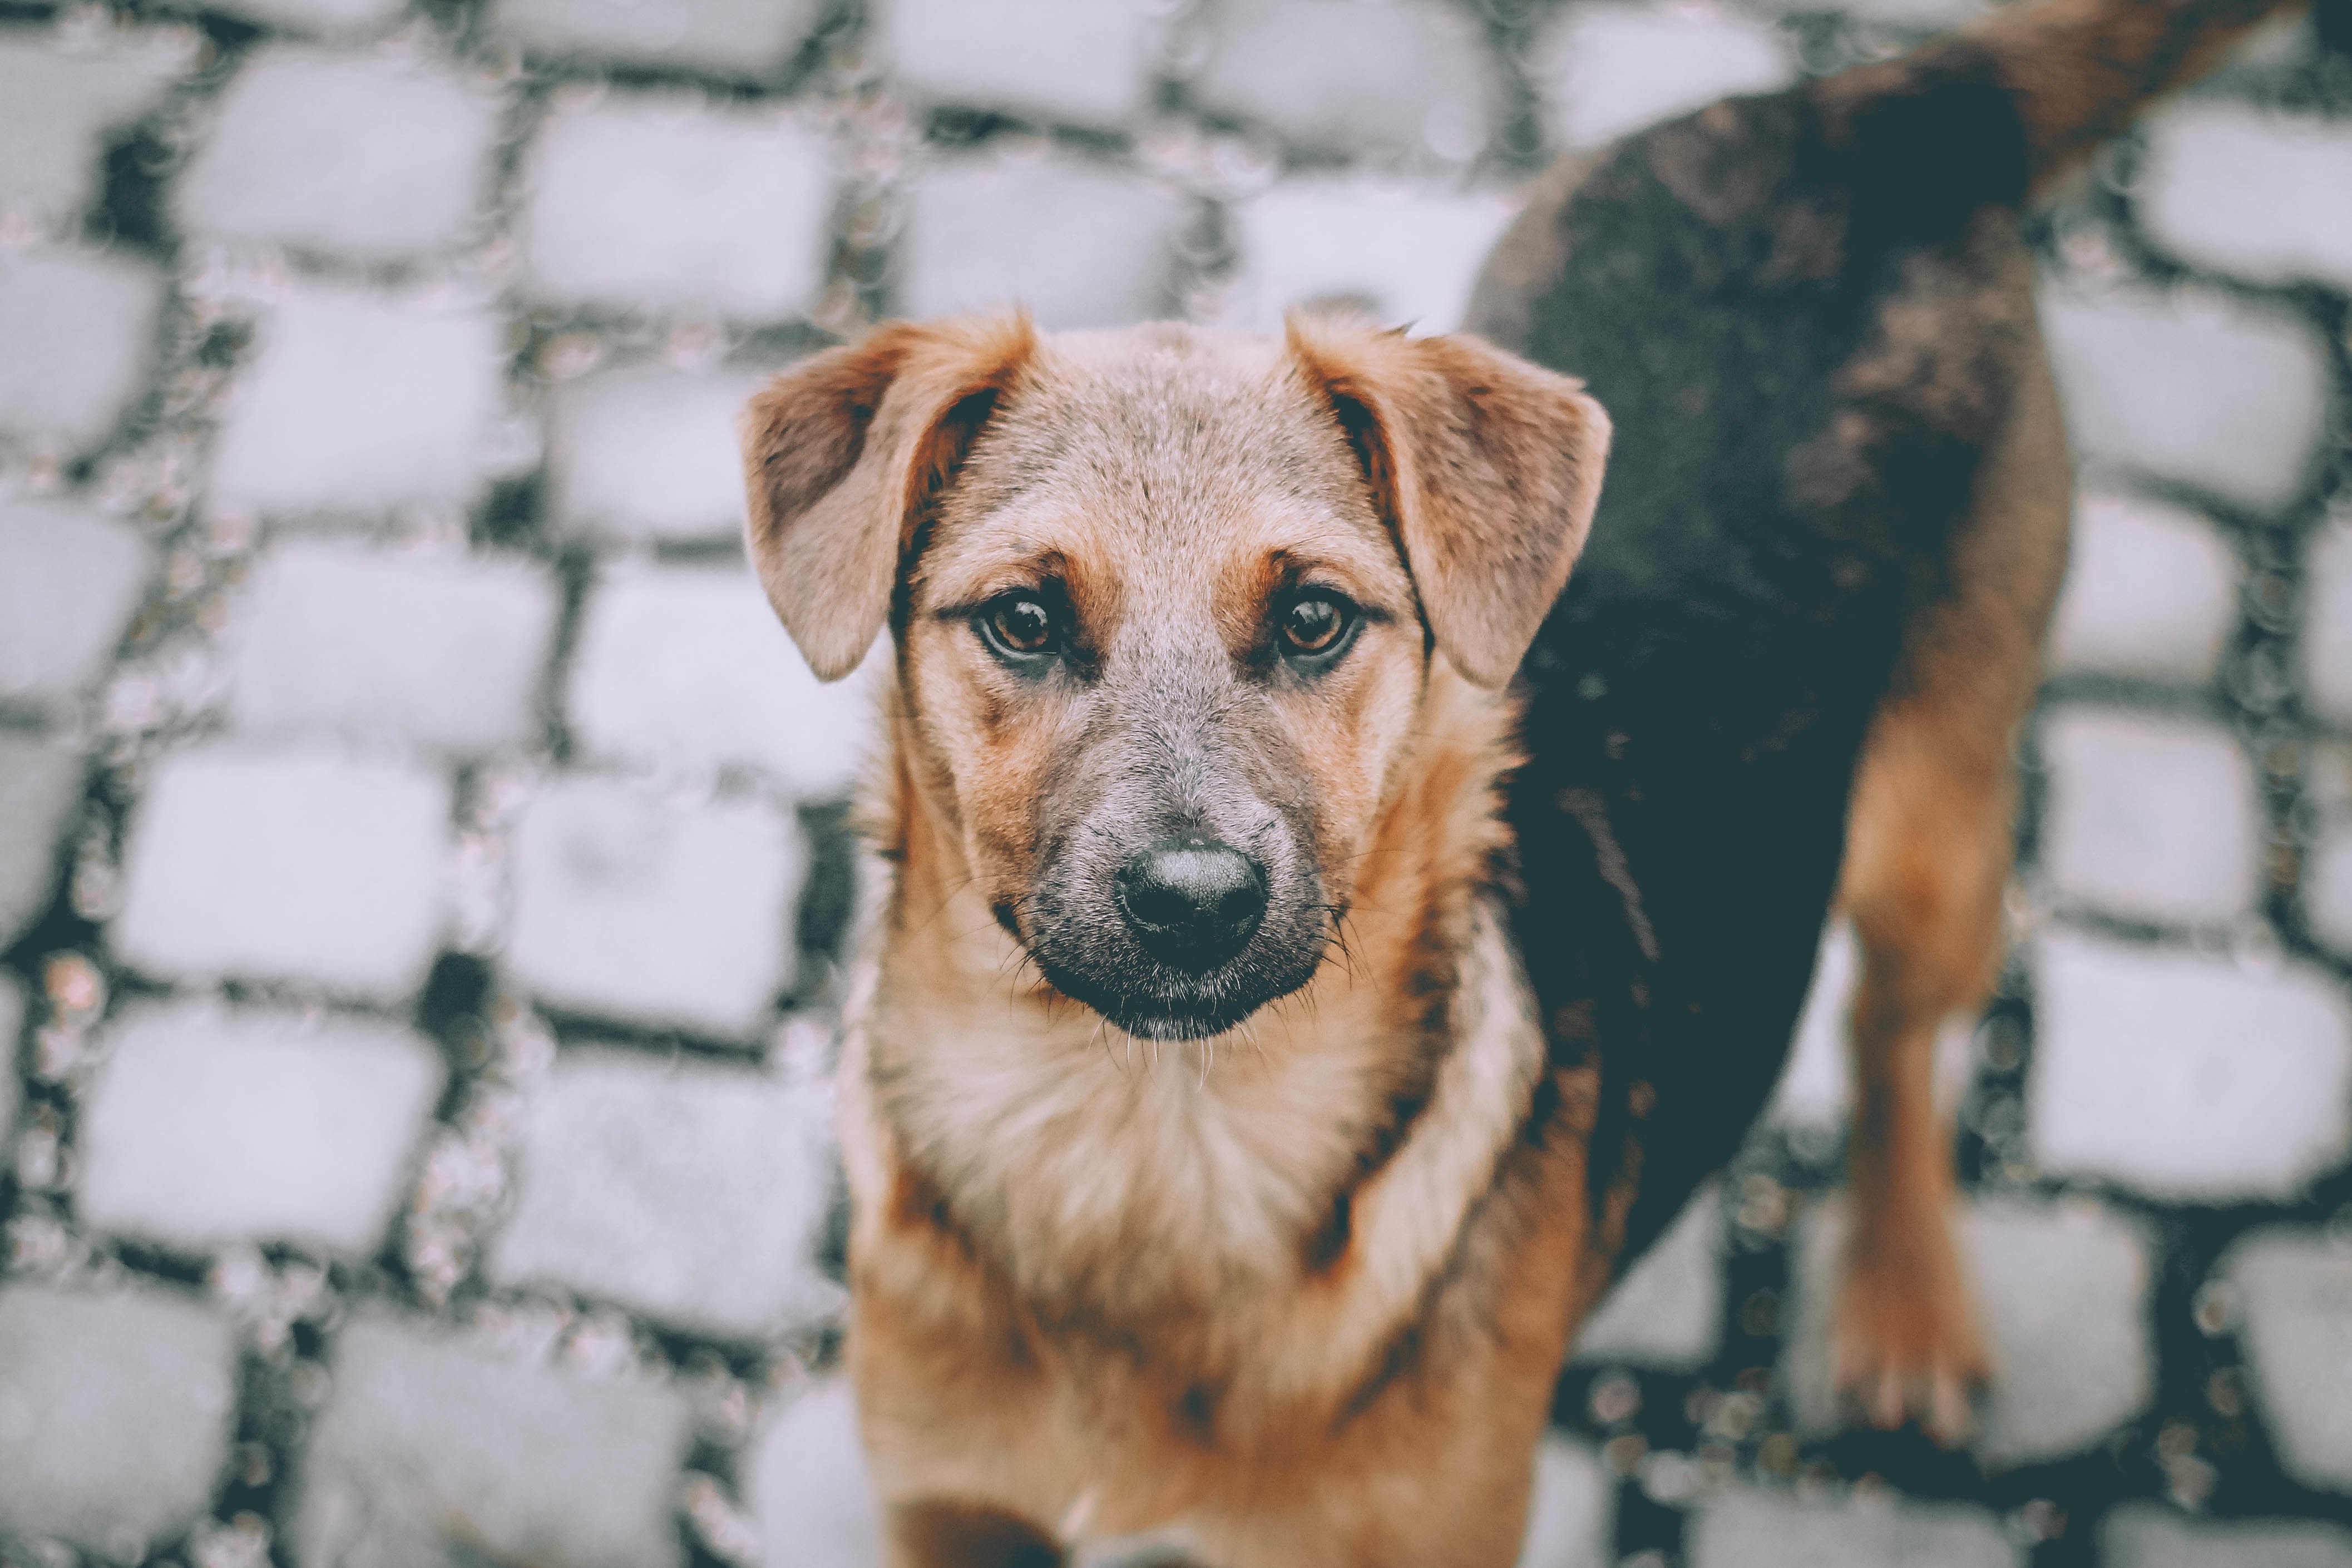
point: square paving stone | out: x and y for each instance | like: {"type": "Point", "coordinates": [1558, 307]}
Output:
{"type": "Point", "coordinates": [661, 914]}
{"type": "Point", "coordinates": [658, 203]}
{"type": "Point", "coordinates": [2184, 1076]}
{"type": "Point", "coordinates": [58, 102]}
{"type": "Point", "coordinates": [1083, 60]}
{"type": "Point", "coordinates": [2327, 622]}
{"type": "Point", "coordinates": [435, 1450]}
{"type": "Point", "coordinates": [2247, 192]}
{"type": "Point", "coordinates": [2151, 592]}
{"type": "Point", "coordinates": [115, 1414]}
{"type": "Point", "coordinates": [1666, 1313]}
{"type": "Point", "coordinates": [649, 453]}
{"type": "Point", "coordinates": [1407, 258]}
{"type": "Point", "coordinates": [439, 648]}
{"type": "Point", "coordinates": [358, 404]}
{"type": "Point", "coordinates": [744, 36]}
{"type": "Point", "coordinates": [687, 668]}
{"type": "Point", "coordinates": [80, 330]}
{"type": "Point", "coordinates": [40, 790]}
{"type": "Point", "coordinates": [2152, 819]}
{"type": "Point", "coordinates": [1744, 1528]}
{"type": "Point", "coordinates": [1387, 77]}
{"type": "Point", "coordinates": [70, 579]}
{"type": "Point", "coordinates": [296, 865]}
{"type": "Point", "coordinates": [2296, 1294]}
{"type": "Point", "coordinates": [1607, 70]}
{"type": "Point", "coordinates": [2150, 1535]}
{"type": "Point", "coordinates": [691, 1194]}
{"type": "Point", "coordinates": [1079, 244]}
{"type": "Point", "coordinates": [2190, 387]}
{"type": "Point", "coordinates": [349, 154]}
{"type": "Point", "coordinates": [209, 1125]}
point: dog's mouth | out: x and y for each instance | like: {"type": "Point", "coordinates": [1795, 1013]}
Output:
{"type": "Point", "coordinates": [1185, 939]}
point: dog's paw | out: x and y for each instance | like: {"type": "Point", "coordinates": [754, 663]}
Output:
{"type": "Point", "coordinates": [1906, 1345]}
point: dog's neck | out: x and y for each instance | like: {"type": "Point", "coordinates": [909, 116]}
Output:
{"type": "Point", "coordinates": [1124, 1186]}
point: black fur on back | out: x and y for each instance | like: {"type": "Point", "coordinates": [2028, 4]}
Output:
{"type": "Point", "coordinates": [1788, 306]}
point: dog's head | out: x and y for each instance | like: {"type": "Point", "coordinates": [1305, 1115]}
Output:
{"type": "Point", "coordinates": [1166, 604]}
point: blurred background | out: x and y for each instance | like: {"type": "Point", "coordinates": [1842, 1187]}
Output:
{"type": "Point", "coordinates": [423, 871]}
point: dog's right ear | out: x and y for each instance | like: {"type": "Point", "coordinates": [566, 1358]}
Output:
{"type": "Point", "coordinates": [840, 453]}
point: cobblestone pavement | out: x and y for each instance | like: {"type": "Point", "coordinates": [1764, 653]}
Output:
{"type": "Point", "coordinates": [422, 860]}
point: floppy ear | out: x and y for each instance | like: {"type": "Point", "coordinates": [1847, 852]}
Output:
{"type": "Point", "coordinates": [842, 451]}
{"type": "Point", "coordinates": [1486, 466]}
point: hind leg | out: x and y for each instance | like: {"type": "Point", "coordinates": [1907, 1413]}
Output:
{"type": "Point", "coordinates": [1928, 847]}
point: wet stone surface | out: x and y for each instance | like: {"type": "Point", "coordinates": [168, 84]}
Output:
{"type": "Point", "coordinates": [422, 859]}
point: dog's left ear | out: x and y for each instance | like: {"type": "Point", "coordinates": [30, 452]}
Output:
{"type": "Point", "coordinates": [1486, 466]}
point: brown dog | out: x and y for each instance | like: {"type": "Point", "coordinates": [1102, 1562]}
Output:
{"type": "Point", "coordinates": [1320, 946]}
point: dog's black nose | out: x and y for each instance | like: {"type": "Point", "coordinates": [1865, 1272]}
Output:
{"type": "Point", "coordinates": [1192, 902]}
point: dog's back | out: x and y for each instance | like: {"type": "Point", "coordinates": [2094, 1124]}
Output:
{"type": "Point", "coordinates": [1809, 316]}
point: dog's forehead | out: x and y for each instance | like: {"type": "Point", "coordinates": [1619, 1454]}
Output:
{"type": "Point", "coordinates": [1165, 447]}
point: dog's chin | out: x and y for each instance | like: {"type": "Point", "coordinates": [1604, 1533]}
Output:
{"type": "Point", "coordinates": [1213, 1005]}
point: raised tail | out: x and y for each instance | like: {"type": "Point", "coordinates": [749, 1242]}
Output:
{"type": "Point", "coordinates": [2073, 72]}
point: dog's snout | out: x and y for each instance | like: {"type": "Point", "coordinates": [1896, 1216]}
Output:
{"type": "Point", "coordinates": [1192, 902]}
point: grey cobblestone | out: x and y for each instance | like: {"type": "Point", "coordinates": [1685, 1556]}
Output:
{"type": "Point", "coordinates": [432, 1449]}
{"type": "Point", "coordinates": [2296, 1288]}
{"type": "Point", "coordinates": [2144, 1535]}
{"type": "Point", "coordinates": [2151, 592]}
{"type": "Point", "coordinates": [317, 18]}
{"type": "Point", "coordinates": [658, 913]}
{"type": "Point", "coordinates": [657, 201]}
{"type": "Point", "coordinates": [12, 1027]}
{"type": "Point", "coordinates": [1761, 1530]}
{"type": "Point", "coordinates": [206, 1127]}
{"type": "Point", "coordinates": [2187, 1076]}
{"type": "Point", "coordinates": [40, 786]}
{"type": "Point", "coordinates": [735, 37]}
{"type": "Point", "coordinates": [115, 1414]}
{"type": "Point", "coordinates": [2327, 637]}
{"type": "Point", "coordinates": [649, 453]}
{"type": "Point", "coordinates": [1667, 1312]}
{"type": "Point", "coordinates": [361, 405]}
{"type": "Point", "coordinates": [70, 580]}
{"type": "Point", "coordinates": [297, 865]}
{"type": "Point", "coordinates": [54, 107]}
{"type": "Point", "coordinates": [688, 1194]}
{"type": "Point", "coordinates": [1405, 256]}
{"type": "Point", "coordinates": [79, 329]}
{"type": "Point", "coordinates": [1087, 61]}
{"type": "Point", "coordinates": [1568, 1519]}
{"type": "Point", "coordinates": [1092, 248]}
{"type": "Point", "coordinates": [419, 645]}
{"type": "Point", "coordinates": [1608, 69]}
{"type": "Point", "coordinates": [2212, 189]}
{"type": "Point", "coordinates": [2149, 818]}
{"type": "Point", "coordinates": [685, 667]}
{"type": "Point", "coordinates": [1404, 76]}
{"type": "Point", "coordinates": [2191, 387]}
{"type": "Point", "coordinates": [350, 154]}
{"type": "Point", "coordinates": [806, 1481]}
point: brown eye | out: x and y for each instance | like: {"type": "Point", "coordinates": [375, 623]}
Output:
{"type": "Point", "coordinates": [1019, 627]}
{"type": "Point", "coordinates": [1314, 624]}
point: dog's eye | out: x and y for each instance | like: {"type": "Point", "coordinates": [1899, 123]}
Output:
{"type": "Point", "coordinates": [1316, 623]}
{"type": "Point", "coordinates": [1018, 626]}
